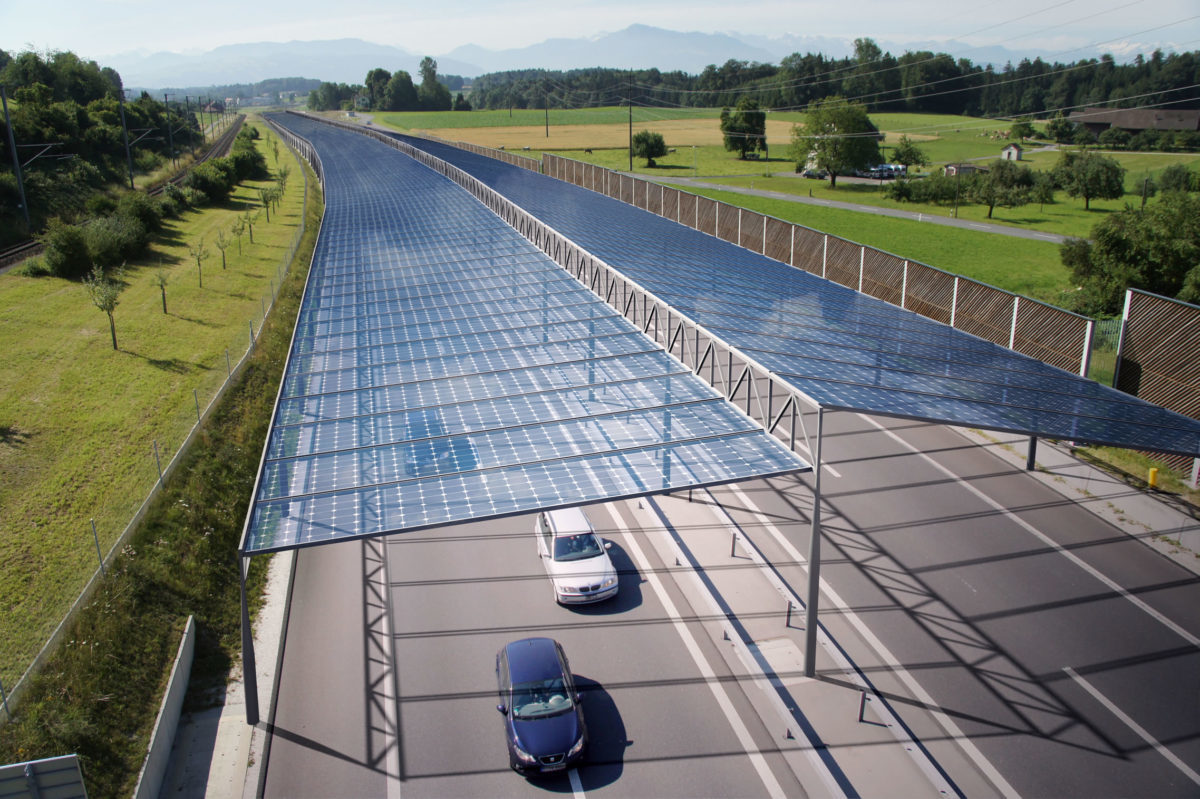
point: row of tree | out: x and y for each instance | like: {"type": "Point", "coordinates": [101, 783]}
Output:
{"type": "Point", "coordinates": [389, 91]}
{"type": "Point", "coordinates": [922, 81]}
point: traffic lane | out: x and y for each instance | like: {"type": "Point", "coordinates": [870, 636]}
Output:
{"type": "Point", "coordinates": [984, 614]}
{"type": "Point", "coordinates": [655, 726]}
{"type": "Point", "coordinates": [326, 703]}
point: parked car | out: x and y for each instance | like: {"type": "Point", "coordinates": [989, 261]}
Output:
{"type": "Point", "coordinates": [543, 718]}
{"type": "Point", "coordinates": [814, 173]}
{"type": "Point", "coordinates": [575, 558]}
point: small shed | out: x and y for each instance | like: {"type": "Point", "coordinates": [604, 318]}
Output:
{"type": "Point", "coordinates": [953, 170]}
{"type": "Point", "coordinates": [1011, 152]}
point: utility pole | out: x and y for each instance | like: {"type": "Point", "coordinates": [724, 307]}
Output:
{"type": "Point", "coordinates": [12, 148]}
{"type": "Point", "coordinates": [630, 120]}
{"type": "Point", "coordinates": [125, 131]}
{"type": "Point", "coordinates": [170, 134]}
{"type": "Point", "coordinates": [188, 118]}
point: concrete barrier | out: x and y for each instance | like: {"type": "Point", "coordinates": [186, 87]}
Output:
{"type": "Point", "coordinates": [154, 769]}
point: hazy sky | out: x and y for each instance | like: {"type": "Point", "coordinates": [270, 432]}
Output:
{"type": "Point", "coordinates": [97, 28]}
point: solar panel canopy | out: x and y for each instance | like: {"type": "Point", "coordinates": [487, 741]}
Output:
{"type": "Point", "coordinates": [443, 370]}
{"type": "Point", "coordinates": [842, 349]}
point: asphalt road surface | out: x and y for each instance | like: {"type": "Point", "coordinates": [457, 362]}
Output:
{"type": "Point", "coordinates": [1029, 648]}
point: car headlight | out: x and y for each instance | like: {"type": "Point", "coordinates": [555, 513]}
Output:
{"type": "Point", "coordinates": [521, 754]}
{"type": "Point", "coordinates": [576, 748]}
{"type": "Point", "coordinates": [568, 589]}
{"type": "Point", "coordinates": [610, 582]}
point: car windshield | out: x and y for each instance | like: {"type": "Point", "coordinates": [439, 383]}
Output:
{"type": "Point", "coordinates": [576, 547]}
{"type": "Point", "coordinates": [531, 700]}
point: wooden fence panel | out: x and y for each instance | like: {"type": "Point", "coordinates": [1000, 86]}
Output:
{"type": "Point", "coordinates": [883, 276]}
{"type": "Point", "coordinates": [930, 292]}
{"type": "Point", "coordinates": [984, 311]}
{"type": "Point", "coordinates": [842, 262]}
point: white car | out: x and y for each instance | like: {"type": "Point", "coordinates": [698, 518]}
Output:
{"type": "Point", "coordinates": [576, 559]}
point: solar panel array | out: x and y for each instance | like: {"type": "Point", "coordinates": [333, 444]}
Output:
{"type": "Point", "coordinates": [843, 349]}
{"type": "Point", "coordinates": [443, 370]}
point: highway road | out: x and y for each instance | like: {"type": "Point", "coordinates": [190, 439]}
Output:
{"type": "Point", "coordinates": [1027, 646]}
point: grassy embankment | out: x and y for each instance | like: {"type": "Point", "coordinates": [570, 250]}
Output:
{"type": "Point", "coordinates": [98, 694]}
{"type": "Point", "coordinates": [79, 421]}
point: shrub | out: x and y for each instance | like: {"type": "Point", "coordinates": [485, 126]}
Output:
{"type": "Point", "coordinates": [211, 180]}
{"type": "Point", "coordinates": [194, 198]}
{"type": "Point", "coordinates": [66, 250]}
{"type": "Point", "coordinates": [100, 205]}
{"type": "Point", "coordinates": [112, 240]}
{"type": "Point", "coordinates": [1176, 177]}
{"type": "Point", "coordinates": [141, 207]}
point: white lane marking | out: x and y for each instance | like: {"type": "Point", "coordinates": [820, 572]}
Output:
{"type": "Point", "coordinates": [1133, 725]}
{"type": "Point", "coordinates": [1049, 542]}
{"type": "Point", "coordinates": [576, 784]}
{"type": "Point", "coordinates": [953, 731]}
{"type": "Point", "coordinates": [390, 702]}
{"type": "Point", "coordinates": [706, 671]}
{"type": "Point", "coordinates": [920, 757]}
{"type": "Point", "coordinates": [748, 658]}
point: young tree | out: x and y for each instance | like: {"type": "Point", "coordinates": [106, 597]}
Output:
{"type": "Point", "coordinates": [250, 219]}
{"type": "Point", "coordinates": [223, 241]}
{"type": "Point", "coordinates": [908, 153]}
{"type": "Point", "coordinates": [199, 252]}
{"type": "Point", "coordinates": [264, 196]}
{"type": "Point", "coordinates": [837, 136]}
{"type": "Point", "coordinates": [1042, 191]}
{"type": "Point", "coordinates": [649, 145]}
{"type": "Point", "coordinates": [239, 230]}
{"type": "Point", "coordinates": [1006, 183]}
{"type": "Point", "coordinates": [1090, 176]}
{"type": "Point", "coordinates": [104, 290]}
{"type": "Point", "coordinates": [745, 128]}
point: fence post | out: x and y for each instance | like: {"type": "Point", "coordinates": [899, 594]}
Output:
{"type": "Point", "coordinates": [196, 397]}
{"type": "Point", "coordinates": [954, 302]}
{"type": "Point", "coordinates": [158, 463]}
{"type": "Point", "coordinates": [228, 365]}
{"type": "Point", "coordinates": [4, 697]}
{"type": "Point", "coordinates": [99, 556]}
{"type": "Point", "coordinates": [904, 286]}
{"type": "Point", "coordinates": [862, 260]}
{"type": "Point", "coordinates": [824, 254]}
{"type": "Point", "coordinates": [1012, 333]}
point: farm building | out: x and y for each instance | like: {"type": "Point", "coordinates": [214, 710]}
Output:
{"type": "Point", "coordinates": [1134, 120]}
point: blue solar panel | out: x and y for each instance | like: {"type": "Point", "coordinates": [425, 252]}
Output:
{"type": "Point", "coordinates": [443, 369]}
{"type": "Point", "coordinates": [843, 349]}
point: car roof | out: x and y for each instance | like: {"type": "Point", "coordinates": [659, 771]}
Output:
{"type": "Point", "coordinates": [532, 659]}
{"type": "Point", "coordinates": [568, 521]}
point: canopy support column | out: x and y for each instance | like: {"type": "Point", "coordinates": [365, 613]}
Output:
{"type": "Point", "coordinates": [814, 559]}
{"type": "Point", "coordinates": [1031, 457]}
{"type": "Point", "coordinates": [249, 668]}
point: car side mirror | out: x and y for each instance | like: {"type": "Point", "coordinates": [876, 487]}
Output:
{"type": "Point", "coordinates": [608, 544]}
{"type": "Point", "coordinates": [502, 709]}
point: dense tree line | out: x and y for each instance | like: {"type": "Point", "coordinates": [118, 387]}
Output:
{"type": "Point", "coordinates": [920, 81]}
{"type": "Point", "coordinates": [388, 91]}
{"type": "Point", "coordinates": [59, 99]}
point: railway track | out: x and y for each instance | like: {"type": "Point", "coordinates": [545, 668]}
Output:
{"type": "Point", "coordinates": [220, 148]}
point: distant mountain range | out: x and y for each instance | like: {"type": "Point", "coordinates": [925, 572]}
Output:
{"type": "Point", "coordinates": [635, 47]}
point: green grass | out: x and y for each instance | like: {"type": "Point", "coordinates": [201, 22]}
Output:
{"type": "Point", "coordinates": [99, 692]}
{"type": "Point", "coordinates": [427, 120]}
{"type": "Point", "coordinates": [79, 421]}
{"type": "Point", "coordinates": [1023, 266]}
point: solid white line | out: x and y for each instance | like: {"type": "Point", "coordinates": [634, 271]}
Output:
{"type": "Point", "coordinates": [1049, 542]}
{"type": "Point", "coordinates": [1133, 725]}
{"type": "Point", "coordinates": [953, 731]}
{"type": "Point", "coordinates": [706, 671]}
{"type": "Point", "coordinates": [576, 784]}
{"type": "Point", "coordinates": [749, 660]}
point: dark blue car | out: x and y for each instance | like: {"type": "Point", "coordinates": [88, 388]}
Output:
{"type": "Point", "coordinates": [543, 720]}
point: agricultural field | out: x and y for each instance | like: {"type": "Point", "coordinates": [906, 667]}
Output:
{"type": "Point", "coordinates": [79, 421]}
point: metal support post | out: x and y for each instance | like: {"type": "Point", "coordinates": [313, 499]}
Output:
{"type": "Point", "coordinates": [249, 668]}
{"type": "Point", "coordinates": [1029, 459]}
{"type": "Point", "coordinates": [12, 148]}
{"type": "Point", "coordinates": [814, 559]}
